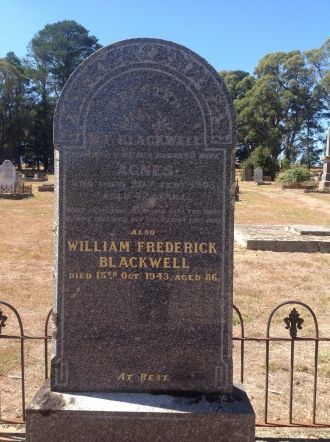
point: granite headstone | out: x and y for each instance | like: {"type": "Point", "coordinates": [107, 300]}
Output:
{"type": "Point", "coordinates": [144, 137]}
{"type": "Point", "coordinates": [7, 175]}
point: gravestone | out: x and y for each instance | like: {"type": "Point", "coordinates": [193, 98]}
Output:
{"type": "Point", "coordinates": [247, 173]}
{"type": "Point", "coordinates": [8, 175]}
{"type": "Point", "coordinates": [144, 139]}
{"type": "Point", "coordinates": [258, 175]}
{"type": "Point", "coordinates": [18, 179]}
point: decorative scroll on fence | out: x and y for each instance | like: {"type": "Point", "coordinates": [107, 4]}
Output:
{"type": "Point", "coordinates": [293, 322]}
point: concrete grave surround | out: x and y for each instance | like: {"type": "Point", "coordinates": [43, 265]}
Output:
{"type": "Point", "coordinates": [294, 238]}
{"type": "Point", "coordinates": [7, 174]}
{"type": "Point", "coordinates": [303, 229]}
{"type": "Point", "coordinates": [144, 139]}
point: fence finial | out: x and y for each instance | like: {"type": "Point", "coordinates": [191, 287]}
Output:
{"type": "Point", "coordinates": [293, 323]}
{"type": "Point", "coordinates": [3, 319]}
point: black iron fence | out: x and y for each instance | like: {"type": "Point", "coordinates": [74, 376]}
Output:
{"type": "Point", "coordinates": [293, 322]}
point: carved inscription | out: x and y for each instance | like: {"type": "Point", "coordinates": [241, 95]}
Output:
{"type": "Point", "coordinates": [132, 255]}
{"type": "Point", "coordinates": [151, 185]}
{"type": "Point", "coordinates": [143, 377]}
{"type": "Point", "coordinates": [144, 136]}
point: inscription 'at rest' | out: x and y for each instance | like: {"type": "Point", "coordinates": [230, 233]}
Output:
{"type": "Point", "coordinates": [143, 377]}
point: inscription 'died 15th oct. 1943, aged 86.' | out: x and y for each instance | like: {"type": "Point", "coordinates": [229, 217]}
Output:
{"type": "Point", "coordinates": [144, 138]}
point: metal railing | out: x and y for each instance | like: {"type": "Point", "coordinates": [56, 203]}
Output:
{"type": "Point", "coordinates": [293, 322]}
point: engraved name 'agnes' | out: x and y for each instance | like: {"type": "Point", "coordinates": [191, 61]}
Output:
{"type": "Point", "coordinates": [185, 247]}
{"type": "Point", "coordinates": [145, 169]}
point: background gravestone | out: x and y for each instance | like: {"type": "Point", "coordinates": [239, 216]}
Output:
{"type": "Point", "coordinates": [247, 173]}
{"type": "Point", "coordinates": [7, 175]}
{"type": "Point", "coordinates": [258, 175]}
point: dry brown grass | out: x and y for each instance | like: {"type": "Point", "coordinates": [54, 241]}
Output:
{"type": "Point", "coordinates": [272, 205]}
{"type": "Point", "coordinates": [261, 279]}
{"type": "Point", "coordinates": [26, 256]}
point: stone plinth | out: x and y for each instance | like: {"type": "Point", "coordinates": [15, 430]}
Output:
{"type": "Point", "coordinates": [134, 417]}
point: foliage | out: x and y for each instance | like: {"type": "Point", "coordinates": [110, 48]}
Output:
{"type": "Point", "coordinates": [285, 164]}
{"type": "Point", "coordinates": [262, 157]}
{"type": "Point", "coordinates": [14, 104]}
{"type": "Point", "coordinates": [310, 154]}
{"type": "Point", "coordinates": [60, 48]}
{"type": "Point", "coordinates": [296, 174]}
{"type": "Point", "coordinates": [284, 105]}
{"type": "Point", "coordinates": [29, 89]}
{"type": "Point", "coordinates": [238, 84]}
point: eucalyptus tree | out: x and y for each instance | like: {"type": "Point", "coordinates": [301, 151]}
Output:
{"type": "Point", "coordinates": [14, 104]}
{"type": "Point", "coordinates": [60, 47]}
{"type": "Point", "coordinates": [285, 103]}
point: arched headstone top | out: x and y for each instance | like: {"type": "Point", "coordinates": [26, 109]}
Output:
{"type": "Point", "coordinates": [144, 92]}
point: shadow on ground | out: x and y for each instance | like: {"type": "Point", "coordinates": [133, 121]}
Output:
{"type": "Point", "coordinates": [290, 439]}
{"type": "Point", "coordinates": [12, 437]}
{"type": "Point", "coordinates": [20, 437]}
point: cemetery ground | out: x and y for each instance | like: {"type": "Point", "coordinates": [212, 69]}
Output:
{"type": "Point", "coordinates": [262, 280]}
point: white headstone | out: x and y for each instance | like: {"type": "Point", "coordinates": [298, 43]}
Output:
{"type": "Point", "coordinates": [258, 175]}
{"type": "Point", "coordinates": [18, 178]}
{"type": "Point", "coordinates": [7, 174]}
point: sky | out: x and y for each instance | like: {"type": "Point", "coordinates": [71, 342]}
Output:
{"type": "Point", "coordinates": [229, 34]}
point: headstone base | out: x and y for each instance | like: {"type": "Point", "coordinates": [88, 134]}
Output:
{"type": "Point", "coordinates": [139, 417]}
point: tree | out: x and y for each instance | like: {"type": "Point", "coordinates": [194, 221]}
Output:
{"type": "Point", "coordinates": [39, 148]}
{"type": "Point", "coordinates": [238, 84]}
{"type": "Point", "coordinates": [54, 53]}
{"type": "Point", "coordinates": [262, 157]}
{"type": "Point", "coordinates": [284, 104]}
{"type": "Point", "coordinates": [319, 61]}
{"type": "Point", "coordinates": [60, 47]}
{"type": "Point", "coordinates": [14, 98]}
